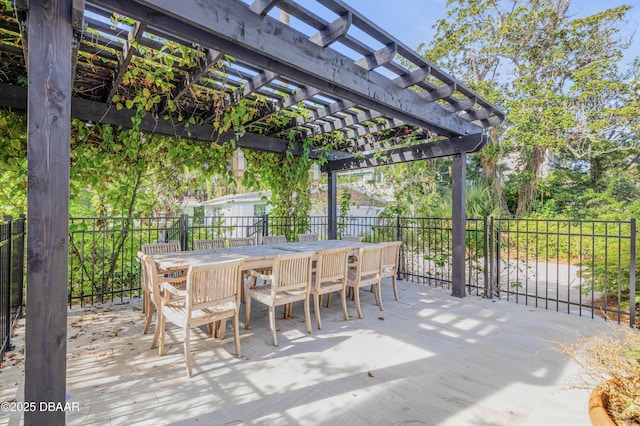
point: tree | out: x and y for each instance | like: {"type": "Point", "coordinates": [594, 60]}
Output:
{"type": "Point", "coordinates": [534, 58]}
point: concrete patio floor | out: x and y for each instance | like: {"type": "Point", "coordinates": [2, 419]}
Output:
{"type": "Point", "coordinates": [427, 359]}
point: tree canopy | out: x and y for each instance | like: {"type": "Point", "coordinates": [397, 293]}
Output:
{"type": "Point", "coordinates": [570, 103]}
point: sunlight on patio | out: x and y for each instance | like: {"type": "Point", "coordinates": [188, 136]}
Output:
{"type": "Point", "coordinates": [426, 359]}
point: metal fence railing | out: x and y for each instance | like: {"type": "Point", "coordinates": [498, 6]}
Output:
{"type": "Point", "coordinates": [12, 237]}
{"type": "Point", "coordinates": [583, 267]}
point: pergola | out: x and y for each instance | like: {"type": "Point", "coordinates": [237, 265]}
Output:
{"type": "Point", "coordinates": [334, 75]}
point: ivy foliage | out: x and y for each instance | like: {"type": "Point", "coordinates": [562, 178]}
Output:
{"type": "Point", "coordinates": [125, 172]}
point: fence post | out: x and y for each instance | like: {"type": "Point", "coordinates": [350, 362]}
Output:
{"type": "Point", "coordinates": [632, 274]}
{"type": "Point", "coordinates": [18, 276]}
{"type": "Point", "coordinates": [488, 250]}
{"type": "Point", "coordinates": [496, 263]}
{"type": "Point", "coordinates": [401, 252]}
{"type": "Point", "coordinates": [184, 232]}
{"type": "Point", "coordinates": [7, 296]}
{"type": "Point", "coordinates": [265, 228]}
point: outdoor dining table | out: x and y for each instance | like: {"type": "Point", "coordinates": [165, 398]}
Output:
{"type": "Point", "coordinates": [253, 257]}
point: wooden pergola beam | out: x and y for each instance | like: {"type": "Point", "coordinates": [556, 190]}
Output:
{"type": "Point", "coordinates": [210, 60]}
{"type": "Point", "coordinates": [128, 52]}
{"type": "Point", "coordinates": [442, 148]}
{"type": "Point", "coordinates": [15, 97]}
{"type": "Point", "coordinates": [262, 7]}
{"type": "Point", "coordinates": [232, 27]}
{"type": "Point", "coordinates": [77, 24]}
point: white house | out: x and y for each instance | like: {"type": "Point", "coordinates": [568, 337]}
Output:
{"type": "Point", "coordinates": [236, 210]}
{"type": "Point", "coordinates": [249, 204]}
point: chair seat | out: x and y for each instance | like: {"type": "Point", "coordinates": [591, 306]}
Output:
{"type": "Point", "coordinates": [200, 316]}
{"type": "Point", "coordinates": [388, 271]}
{"type": "Point", "coordinates": [364, 279]}
{"type": "Point", "coordinates": [327, 287]}
{"type": "Point", "coordinates": [263, 294]}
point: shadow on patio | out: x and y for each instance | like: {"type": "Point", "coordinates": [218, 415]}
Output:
{"type": "Point", "coordinates": [427, 359]}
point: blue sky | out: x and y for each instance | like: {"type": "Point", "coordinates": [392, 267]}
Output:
{"type": "Point", "coordinates": [411, 20]}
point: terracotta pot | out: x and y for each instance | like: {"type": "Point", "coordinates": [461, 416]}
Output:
{"type": "Point", "coordinates": [598, 408]}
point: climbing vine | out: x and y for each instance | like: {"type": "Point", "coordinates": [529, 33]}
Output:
{"type": "Point", "coordinates": [126, 172]}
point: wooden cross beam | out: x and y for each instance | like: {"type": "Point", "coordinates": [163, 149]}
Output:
{"type": "Point", "coordinates": [441, 148]}
{"type": "Point", "coordinates": [233, 28]}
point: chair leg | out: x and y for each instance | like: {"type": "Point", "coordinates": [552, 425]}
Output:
{"type": "Point", "coordinates": [145, 300]}
{"type": "Point", "coordinates": [395, 287]}
{"type": "Point", "coordinates": [236, 332]}
{"type": "Point", "coordinates": [158, 330]}
{"type": "Point", "coordinates": [187, 349]}
{"type": "Point", "coordinates": [316, 308]}
{"type": "Point", "coordinates": [329, 300]}
{"type": "Point", "coordinates": [272, 324]}
{"type": "Point", "coordinates": [356, 295]}
{"type": "Point", "coordinates": [162, 333]}
{"type": "Point", "coordinates": [247, 311]}
{"type": "Point", "coordinates": [307, 315]}
{"type": "Point", "coordinates": [378, 294]}
{"type": "Point", "coordinates": [149, 317]}
{"type": "Point", "coordinates": [343, 296]}
{"type": "Point", "coordinates": [222, 325]}
{"type": "Point", "coordinates": [288, 311]}
{"type": "Point", "coordinates": [242, 297]}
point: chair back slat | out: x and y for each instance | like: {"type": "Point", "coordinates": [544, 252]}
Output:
{"type": "Point", "coordinates": [150, 278]}
{"type": "Point", "coordinates": [292, 272]}
{"type": "Point", "coordinates": [369, 260]}
{"type": "Point", "coordinates": [303, 238]}
{"type": "Point", "coordinates": [351, 238]}
{"type": "Point", "coordinates": [390, 255]}
{"type": "Point", "coordinates": [208, 244]}
{"type": "Point", "coordinates": [241, 242]}
{"type": "Point", "coordinates": [160, 248]}
{"type": "Point", "coordinates": [274, 239]}
{"type": "Point", "coordinates": [212, 284]}
{"type": "Point", "coordinates": [332, 265]}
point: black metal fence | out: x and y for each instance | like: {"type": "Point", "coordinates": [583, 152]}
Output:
{"type": "Point", "coordinates": [102, 251]}
{"type": "Point", "coordinates": [12, 236]}
{"type": "Point", "coordinates": [583, 267]}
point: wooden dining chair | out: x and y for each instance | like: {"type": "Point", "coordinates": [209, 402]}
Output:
{"type": "Point", "coordinates": [152, 287]}
{"type": "Point", "coordinates": [303, 238]}
{"type": "Point", "coordinates": [352, 238]}
{"type": "Point", "coordinates": [212, 294]}
{"type": "Point", "coordinates": [366, 273]}
{"type": "Point", "coordinates": [289, 281]}
{"type": "Point", "coordinates": [330, 276]}
{"type": "Point", "coordinates": [242, 241]}
{"type": "Point", "coordinates": [274, 239]}
{"type": "Point", "coordinates": [208, 244]}
{"type": "Point", "coordinates": [390, 263]}
{"type": "Point", "coordinates": [159, 248]}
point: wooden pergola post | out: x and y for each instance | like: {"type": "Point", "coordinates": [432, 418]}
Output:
{"type": "Point", "coordinates": [332, 205]}
{"type": "Point", "coordinates": [458, 224]}
{"type": "Point", "coordinates": [49, 127]}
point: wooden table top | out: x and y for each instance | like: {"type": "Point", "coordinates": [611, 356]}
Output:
{"type": "Point", "coordinates": [253, 257]}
